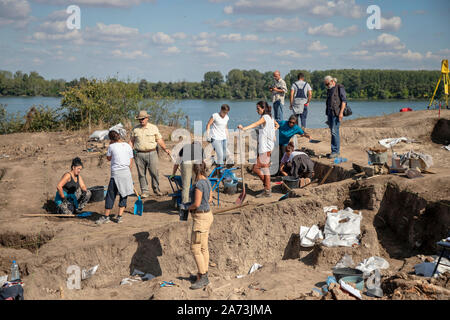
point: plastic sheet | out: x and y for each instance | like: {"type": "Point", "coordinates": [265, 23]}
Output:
{"type": "Point", "coordinates": [309, 235]}
{"type": "Point", "coordinates": [371, 264]}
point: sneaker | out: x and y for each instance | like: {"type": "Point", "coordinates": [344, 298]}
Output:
{"type": "Point", "coordinates": [264, 194]}
{"type": "Point", "coordinates": [158, 193]}
{"type": "Point", "coordinates": [102, 220]}
{"type": "Point", "coordinates": [201, 283]}
{"type": "Point", "coordinates": [333, 155]}
{"type": "Point", "coordinates": [119, 219]}
{"type": "Point", "coordinates": [145, 195]}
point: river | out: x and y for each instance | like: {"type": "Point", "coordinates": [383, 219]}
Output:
{"type": "Point", "coordinates": [242, 111]}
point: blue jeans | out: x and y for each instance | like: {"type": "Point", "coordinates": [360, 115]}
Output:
{"type": "Point", "coordinates": [220, 146]}
{"type": "Point", "coordinates": [333, 124]}
{"type": "Point", "coordinates": [278, 111]}
{"type": "Point", "coordinates": [302, 117]}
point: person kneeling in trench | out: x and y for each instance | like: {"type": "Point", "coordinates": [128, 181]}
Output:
{"type": "Point", "coordinates": [72, 194]}
{"type": "Point", "coordinates": [298, 165]}
{"type": "Point", "coordinates": [203, 218]}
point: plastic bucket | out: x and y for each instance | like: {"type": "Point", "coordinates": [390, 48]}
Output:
{"type": "Point", "coordinates": [357, 280]}
{"type": "Point", "coordinates": [345, 272]}
{"type": "Point", "coordinates": [291, 182]}
{"type": "Point", "coordinates": [97, 193]}
{"type": "Point", "coordinates": [378, 158]}
{"type": "Point", "coordinates": [230, 186]}
{"type": "Point", "coordinates": [184, 213]}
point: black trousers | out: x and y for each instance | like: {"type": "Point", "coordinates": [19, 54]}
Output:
{"type": "Point", "coordinates": [111, 196]}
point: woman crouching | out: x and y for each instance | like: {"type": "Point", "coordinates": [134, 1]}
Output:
{"type": "Point", "coordinates": [203, 218]}
{"type": "Point", "coordinates": [72, 194]}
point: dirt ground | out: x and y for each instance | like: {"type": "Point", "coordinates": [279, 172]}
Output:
{"type": "Point", "coordinates": [402, 220]}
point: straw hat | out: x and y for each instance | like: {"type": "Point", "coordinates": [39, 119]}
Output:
{"type": "Point", "coordinates": [142, 115]}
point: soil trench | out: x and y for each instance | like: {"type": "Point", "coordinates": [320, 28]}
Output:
{"type": "Point", "coordinates": [402, 219]}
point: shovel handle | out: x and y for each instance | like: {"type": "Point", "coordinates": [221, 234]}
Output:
{"type": "Point", "coordinates": [135, 191]}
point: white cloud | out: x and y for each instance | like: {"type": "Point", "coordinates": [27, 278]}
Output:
{"type": "Point", "coordinates": [15, 13]}
{"type": "Point", "coordinates": [324, 8]}
{"type": "Point", "coordinates": [228, 10]}
{"type": "Point", "coordinates": [172, 50]}
{"type": "Point", "coordinates": [211, 52]}
{"type": "Point", "coordinates": [330, 30]}
{"type": "Point", "coordinates": [97, 3]}
{"type": "Point", "coordinates": [385, 41]}
{"type": "Point", "coordinates": [162, 38]}
{"type": "Point", "coordinates": [53, 27]}
{"type": "Point", "coordinates": [317, 46]}
{"type": "Point", "coordinates": [129, 54]}
{"type": "Point", "coordinates": [292, 54]}
{"type": "Point", "coordinates": [237, 37]}
{"type": "Point", "coordinates": [392, 24]}
{"type": "Point", "coordinates": [179, 36]}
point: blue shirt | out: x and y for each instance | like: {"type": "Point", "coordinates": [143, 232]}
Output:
{"type": "Point", "coordinates": [286, 132]}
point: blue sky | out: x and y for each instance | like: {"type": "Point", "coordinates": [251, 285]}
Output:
{"type": "Point", "coordinates": [175, 40]}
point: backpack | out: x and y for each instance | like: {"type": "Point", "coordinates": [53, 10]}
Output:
{"type": "Point", "coordinates": [347, 111]}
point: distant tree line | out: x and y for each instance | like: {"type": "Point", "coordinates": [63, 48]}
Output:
{"type": "Point", "coordinates": [248, 84]}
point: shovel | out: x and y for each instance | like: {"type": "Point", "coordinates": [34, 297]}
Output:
{"type": "Point", "coordinates": [138, 205]}
{"type": "Point", "coordinates": [242, 196]}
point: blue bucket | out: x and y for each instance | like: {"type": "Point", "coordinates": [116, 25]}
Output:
{"type": "Point", "coordinates": [357, 280]}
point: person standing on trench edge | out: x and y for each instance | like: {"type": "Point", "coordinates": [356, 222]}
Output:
{"type": "Point", "coordinates": [203, 219]}
{"type": "Point", "coordinates": [335, 106]}
{"type": "Point", "coordinates": [121, 156]}
{"type": "Point", "coordinates": [266, 142]}
{"type": "Point", "coordinates": [145, 139]}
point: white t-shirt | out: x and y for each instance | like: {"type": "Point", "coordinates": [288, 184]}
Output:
{"type": "Point", "coordinates": [219, 126]}
{"type": "Point", "coordinates": [266, 140]}
{"type": "Point", "coordinates": [120, 153]}
{"type": "Point", "coordinates": [287, 159]}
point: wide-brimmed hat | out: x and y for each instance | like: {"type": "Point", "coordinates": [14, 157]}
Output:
{"type": "Point", "coordinates": [142, 115]}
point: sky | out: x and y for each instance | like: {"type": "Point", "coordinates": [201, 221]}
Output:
{"type": "Point", "coordinates": [180, 40]}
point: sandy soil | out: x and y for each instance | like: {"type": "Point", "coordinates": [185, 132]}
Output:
{"type": "Point", "coordinates": [402, 219]}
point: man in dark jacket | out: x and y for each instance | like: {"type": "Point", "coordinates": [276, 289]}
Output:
{"type": "Point", "coordinates": [336, 103]}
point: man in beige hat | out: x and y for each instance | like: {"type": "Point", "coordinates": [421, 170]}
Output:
{"type": "Point", "coordinates": [144, 140]}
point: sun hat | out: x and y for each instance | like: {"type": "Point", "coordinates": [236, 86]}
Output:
{"type": "Point", "coordinates": [142, 115]}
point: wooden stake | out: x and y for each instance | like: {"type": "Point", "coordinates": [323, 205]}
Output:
{"type": "Point", "coordinates": [326, 176]}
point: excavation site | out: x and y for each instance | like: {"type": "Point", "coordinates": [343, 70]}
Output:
{"type": "Point", "coordinates": [257, 250]}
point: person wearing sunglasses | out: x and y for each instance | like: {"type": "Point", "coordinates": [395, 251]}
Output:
{"type": "Point", "coordinates": [287, 130]}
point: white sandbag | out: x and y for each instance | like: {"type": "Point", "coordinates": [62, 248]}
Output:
{"type": "Point", "coordinates": [342, 228]}
{"type": "Point", "coordinates": [371, 264]}
{"type": "Point", "coordinates": [308, 236]}
{"type": "Point", "coordinates": [99, 135]}
{"type": "Point", "coordinates": [120, 130]}
{"type": "Point", "coordinates": [390, 142]}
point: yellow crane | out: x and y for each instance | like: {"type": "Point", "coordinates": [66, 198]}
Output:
{"type": "Point", "coordinates": [444, 77]}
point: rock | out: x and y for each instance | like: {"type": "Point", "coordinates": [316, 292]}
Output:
{"type": "Point", "coordinates": [315, 293]}
{"type": "Point", "coordinates": [429, 259]}
{"type": "Point", "coordinates": [332, 285]}
{"type": "Point", "coordinates": [338, 294]}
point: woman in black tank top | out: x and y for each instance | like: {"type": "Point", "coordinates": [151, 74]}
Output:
{"type": "Point", "coordinates": [71, 187]}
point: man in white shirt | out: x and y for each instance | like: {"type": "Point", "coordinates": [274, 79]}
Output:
{"type": "Point", "coordinates": [279, 90]}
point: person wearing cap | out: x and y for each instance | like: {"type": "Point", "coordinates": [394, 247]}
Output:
{"type": "Point", "coordinates": [144, 140]}
{"type": "Point", "coordinates": [72, 194]}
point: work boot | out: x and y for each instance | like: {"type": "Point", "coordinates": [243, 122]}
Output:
{"type": "Point", "coordinates": [158, 192]}
{"type": "Point", "coordinates": [200, 283]}
{"type": "Point", "coordinates": [145, 194]}
{"type": "Point", "coordinates": [333, 155]}
{"type": "Point", "coordinates": [264, 194]}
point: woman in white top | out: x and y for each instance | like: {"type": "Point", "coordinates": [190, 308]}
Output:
{"type": "Point", "coordinates": [217, 131]}
{"type": "Point", "coordinates": [121, 156]}
{"type": "Point", "coordinates": [266, 142]}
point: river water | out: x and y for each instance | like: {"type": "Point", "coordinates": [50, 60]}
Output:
{"type": "Point", "coordinates": [242, 111]}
